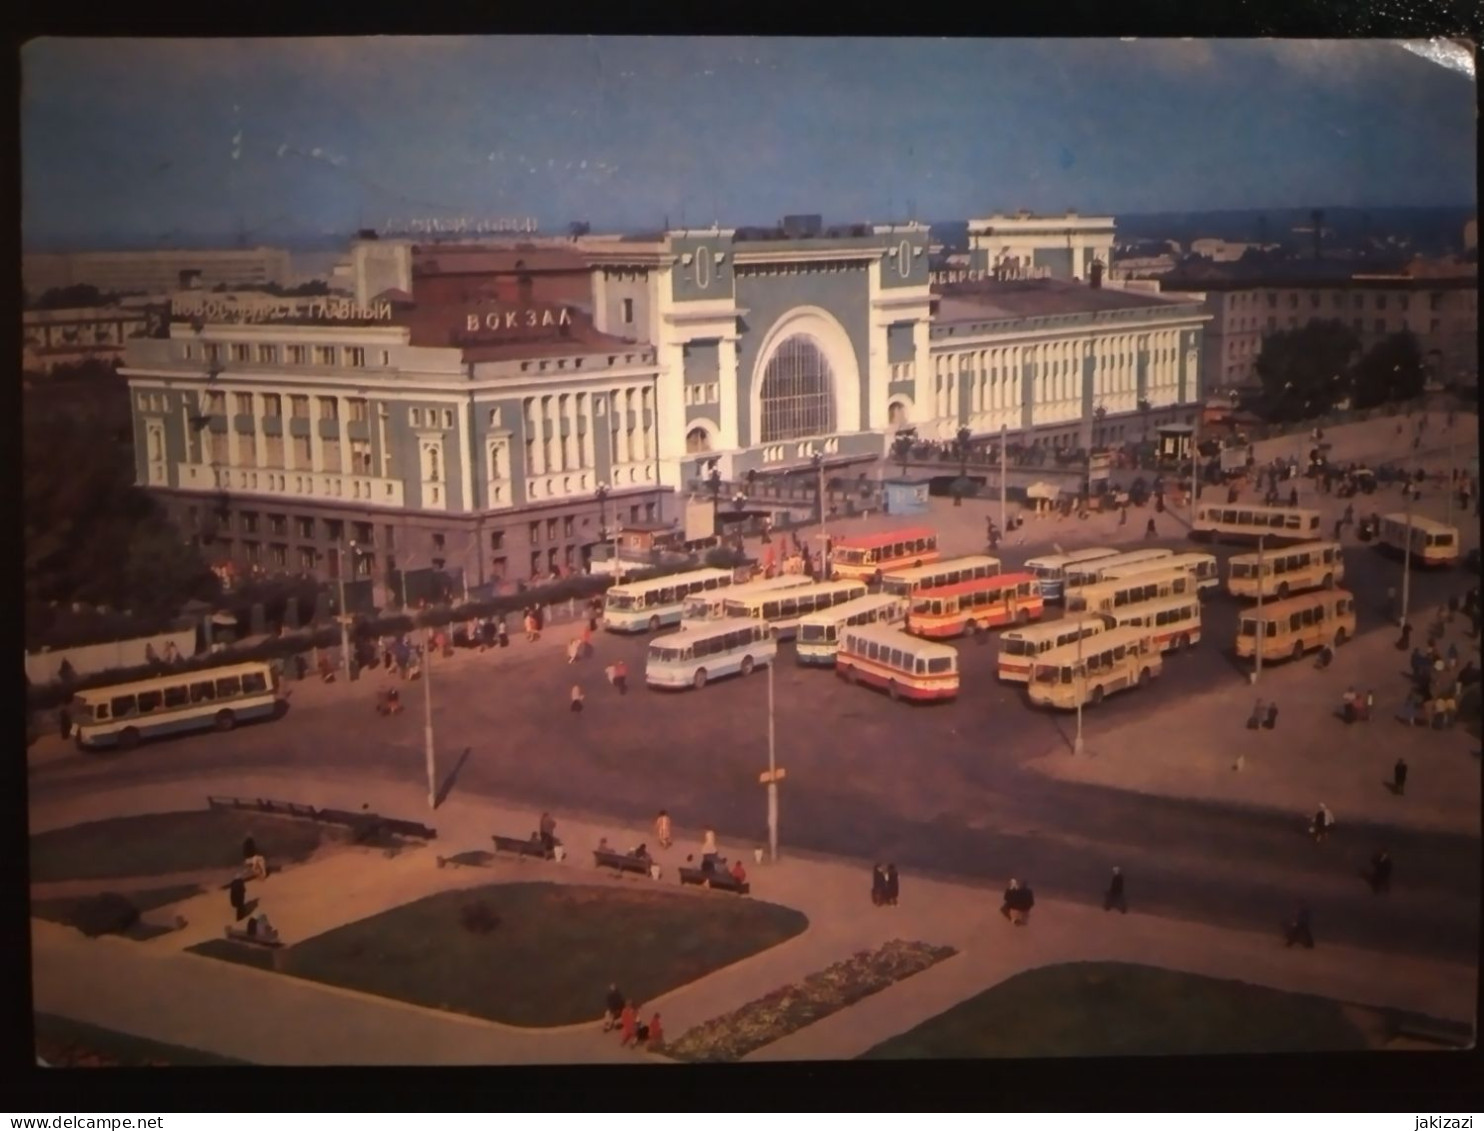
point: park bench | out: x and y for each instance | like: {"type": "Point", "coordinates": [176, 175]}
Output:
{"type": "Point", "coordinates": [277, 808]}
{"type": "Point", "coordinates": [1452, 1034]}
{"type": "Point", "coordinates": [719, 881]}
{"type": "Point", "coordinates": [238, 934]}
{"type": "Point", "coordinates": [622, 862]}
{"type": "Point", "coordinates": [521, 847]}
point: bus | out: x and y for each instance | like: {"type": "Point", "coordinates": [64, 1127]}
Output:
{"type": "Point", "coordinates": [701, 652]}
{"type": "Point", "coordinates": [905, 582]}
{"type": "Point", "coordinates": [214, 698]}
{"type": "Point", "coordinates": [1086, 573]}
{"type": "Point", "coordinates": [819, 633]}
{"type": "Point", "coordinates": [1246, 523]}
{"type": "Point", "coordinates": [640, 606]}
{"type": "Point", "coordinates": [1432, 543]}
{"type": "Point", "coordinates": [1010, 598]}
{"type": "Point", "coordinates": [1203, 567]}
{"type": "Point", "coordinates": [1174, 622]}
{"type": "Point", "coordinates": [1292, 627]}
{"type": "Point", "coordinates": [710, 605]}
{"type": "Point", "coordinates": [866, 555]}
{"type": "Point", "coordinates": [1051, 570]}
{"type": "Point", "coordinates": [1115, 593]}
{"type": "Point", "coordinates": [1285, 570]}
{"type": "Point", "coordinates": [906, 667]}
{"type": "Point", "coordinates": [782, 610]}
{"type": "Point", "coordinates": [1085, 672]}
{"type": "Point", "coordinates": [1020, 646]}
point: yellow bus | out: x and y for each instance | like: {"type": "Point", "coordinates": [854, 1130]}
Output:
{"type": "Point", "coordinates": [906, 667]}
{"type": "Point", "coordinates": [1432, 543]}
{"type": "Point", "coordinates": [709, 605]}
{"type": "Point", "coordinates": [818, 637]}
{"type": "Point", "coordinates": [1019, 647]}
{"type": "Point", "coordinates": [783, 610]}
{"type": "Point", "coordinates": [1286, 569]}
{"type": "Point", "coordinates": [1202, 566]}
{"type": "Point", "coordinates": [889, 551]}
{"type": "Point", "coordinates": [209, 699]}
{"type": "Point", "coordinates": [1051, 570]}
{"type": "Point", "coordinates": [1173, 622]}
{"type": "Point", "coordinates": [1115, 593]}
{"type": "Point", "coordinates": [1090, 572]}
{"type": "Point", "coordinates": [1292, 627]}
{"type": "Point", "coordinates": [1085, 672]}
{"type": "Point", "coordinates": [1248, 522]}
{"type": "Point", "coordinates": [905, 582]}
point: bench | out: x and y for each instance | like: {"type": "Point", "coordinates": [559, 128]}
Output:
{"type": "Point", "coordinates": [622, 862]}
{"type": "Point", "coordinates": [237, 934]}
{"type": "Point", "coordinates": [1453, 1034]}
{"type": "Point", "coordinates": [719, 881]}
{"type": "Point", "coordinates": [521, 847]}
{"type": "Point", "coordinates": [286, 808]}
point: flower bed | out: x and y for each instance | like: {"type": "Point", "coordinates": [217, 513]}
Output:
{"type": "Point", "coordinates": [733, 1035]}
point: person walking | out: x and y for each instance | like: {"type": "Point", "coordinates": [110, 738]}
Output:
{"type": "Point", "coordinates": [577, 698]}
{"type": "Point", "coordinates": [1114, 896]}
{"type": "Point", "coordinates": [1254, 720]}
{"type": "Point", "coordinates": [878, 886]}
{"type": "Point", "coordinates": [663, 834]}
{"type": "Point", "coordinates": [587, 638]}
{"type": "Point", "coordinates": [1301, 929]}
{"type": "Point", "coordinates": [237, 894]}
{"type": "Point", "coordinates": [893, 886]}
{"type": "Point", "coordinates": [1149, 530]}
{"type": "Point", "coordinates": [502, 635]}
{"type": "Point", "coordinates": [1381, 872]}
{"type": "Point", "coordinates": [1323, 822]}
{"type": "Point", "coordinates": [621, 676]}
{"type": "Point", "coordinates": [574, 649]}
{"type": "Point", "coordinates": [1271, 722]}
{"type": "Point", "coordinates": [533, 631]}
{"type": "Point", "coordinates": [612, 1007]}
{"type": "Point", "coordinates": [547, 830]}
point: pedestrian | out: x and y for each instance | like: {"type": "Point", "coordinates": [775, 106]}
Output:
{"type": "Point", "coordinates": [237, 894]}
{"type": "Point", "coordinates": [577, 698]}
{"type": "Point", "coordinates": [1323, 821]}
{"type": "Point", "coordinates": [1012, 900]}
{"type": "Point", "coordinates": [574, 649]}
{"type": "Point", "coordinates": [1149, 530]}
{"type": "Point", "coordinates": [878, 885]}
{"type": "Point", "coordinates": [502, 634]}
{"type": "Point", "coordinates": [1339, 526]}
{"type": "Point", "coordinates": [1301, 930]}
{"type": "Point", "coordinates": [1271, 722]}
{"type": "Point", "coordinates": [1368, 706]}
{"type": "Point", "coordinates": [64, 722]}
{"type": "Point", "coordinates": [1122, 518]}
{"type": "Point", "coordinates": [1293, 497]}
{"type": "Point", "coordinates": [893, 885]}
{"type": "Point", "coordinates": [587, 638]}
{"type": "Point", "coordinates": [1347, 705]}
{"type": "Point", "coordinates": [1254, 720]}
{"type": "Point", "coordinates": [628, 1021]}
{"type": "Point", "coordinates": [547, 832]}
{"type": "Point", "coordinates": [662, 831]}
{"type": "Point", "coordinates": [1114, 897]}
{"type": "Point", "coordinates": [533, 631]}
{"type": "Point", "coordinates": [612, 1007]}
{"type": "Point", "coordinates": [1381, 872]}
{"type": "Point", "coordinates": [1405, 640]}
{"type": "Point", "coordinates": [708, 850]}
{"type": "Point", "coordinates": [656, 1034]}
{"type": "Point", "coordinates": [621, 676]}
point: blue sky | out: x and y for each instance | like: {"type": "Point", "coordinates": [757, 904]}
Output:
{"type": "Point", "coordinates": [150, 138]}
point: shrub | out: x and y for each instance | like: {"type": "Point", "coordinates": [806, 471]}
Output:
{"type": "Point", "coordinates": [105, 914]}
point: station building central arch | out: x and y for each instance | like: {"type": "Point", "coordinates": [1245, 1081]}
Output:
{"type": "Point", "coordinates": [806, 382]}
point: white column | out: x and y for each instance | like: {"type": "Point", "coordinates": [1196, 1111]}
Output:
{"type": "Point", "coordinates": [259, 438]}
{"type": "Point", "coordinates": [585, 417]}
{"type": "Point", "coordinates": [728, 412]}
{"type": "Point", "coordinates": [466, 458]}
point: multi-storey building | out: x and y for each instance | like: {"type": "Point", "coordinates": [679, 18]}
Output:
{"type": "Point", "coordinates": [1440, 309]}
{"type": "Point", "coordinates": [50, 338]}
{"type": "Point", "coordinates": [1028, 246]}
{"type": "Point", "coordinates": [494, 409]}
{"type": "Point", "coordinates": [157, 272]}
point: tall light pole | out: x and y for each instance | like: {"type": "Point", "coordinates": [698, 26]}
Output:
{"type": "Point", "coordinates": [1407, 556]}
{"type": "Point", "coordinates": [772, 775]}
{"type": "Point", "coordinates": [1003, 458]}
{"type": "Point", "coordinates": [428, 717]}
{"type": "Point", "coordinates": [1452, 469]}
{"type": "Point", "coordinates": [1195, 458]}
{"type": "Point", "coordinates": [1081, 693]}
{"type": "Point", "coordinates": [1261, 628]}
{"type": "Point", "coordinates": [818, 460]}
{"type": "Point", "coordinates": [344, 614]}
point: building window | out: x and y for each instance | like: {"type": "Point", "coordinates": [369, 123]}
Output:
{"type": "Point", "coordinates": [213, 352]}
{"type": "Point", "coordinates": [278, 555]}
{"type": "Point", "coordinates": [189, 352]}
{"type": "Point", "coordinates": [305, 527]}
{"type": "Point", "coordinates": [324, 355]}
{"type": "Point", "coordinates": [306, 559]}
{"type": "Point", "coordinates": [1272, 301]}
{"type": "Point", "coordinates": [438, 543]}
{"type": "Point", "coordinates": [448, 418]}
{"type": "Point", "coordinates": [494, 418]}
{"type": "Point", "coordinates": [273, 451]}
{"type": "Point", "coordinates": [278, 524]}
{"type": "Point", "coordinates": [299, 407]}
{"type": "Point", "coordinates": [1314, 299]}
{"type": "Point", "coordinates": [249, 522]}
{"type": "Point", "coordinates": [272, 405]}
{"type": "Point", "coordinates": [251, 550]}
{"type": "Point", "coordinates": [329, 408]}
{"type": "Point", "coordinates": [699, 440]}
{"type": "Point", "coordinates": [268, 355]}
{"type": "Point", "coordinates": [243, 403]}
{"type": "Point", "coordinates": [1435, 326]}
{"type": "Point", "coordinates": [797, 392]}
{"type": "Point", "coordinates": [216, 403]}
{"type": "Point", "coordinates": [648, 512]}
{"type": "Point", "coordinates": [355, 356]}
{"type": "Point", "coordinates": [497, 539]}
{"type": "Point", "coordinates": [303, 453]}
{"type": "Point", "coordinates": [567, 527]}
{"type": "Point", "coordinates": [241, 351]}
{"type": "Point", "coordinates": [535, 532]}
{"type": "Point", "coordinates": [551, 561]}
{"type": "Point", "coordinates": [363, 532]}
{"type": "Point", "coordinates": [535, 562]}
{"type": "Point", "coordinates": [628, 311]}
{"type": "Point", "coordinates": [360, 457]}
{"type": "Point", "coordinates": [359, 410]}
{"type": "Point", "coordinates": [551, 530]}
{"type": "Point", "coordinates": [298, 355]}
{"type": "Point", "coordinates": [634, 513]}
{"type": "Point", "coordinates": [365, 564]}
{"type": "Point", "coordinates": [330, 455]}
{"type": "Point", "coordinates": [1380, 325]}
{"type": "Point", "coordinates": [1380, 302]}
{"type": "Point", "coordinates": [386, 357]}
{"type": "Point", "coordinates": [334, 529]}
{"type": "Point", "coordinates": [417, 418]}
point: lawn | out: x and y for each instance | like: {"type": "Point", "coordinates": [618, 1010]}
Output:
{"type": "Point", "coordinates": [158, 844]}
{"type": "Point", "coordinates": [1119, 1009]}
{"type": "Point", "coordinates": [537, 954]}
{"type": "Point", "coordinates": [109, 913]}
{"type": "Point", "coordinates": [75, 1044]}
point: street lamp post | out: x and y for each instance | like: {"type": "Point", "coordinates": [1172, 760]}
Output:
{"type": "Point", "coordinates": [818, 461]}
{"type": "Point", "coordinates": [1003, 459]}
{"type": "Point", "coordinates": [713, 479]}
{"type": "Point", "coordinates": [428, 749]}
{"type": "Point", "coordinates": [1261, 628]}
{"type": "Point", "coordinates": [772, 776]}
{"type": "Point", "coordinates": [1081, 691]}
{"type": "Point", "coordinates": [344, 614]}
{"type": "Point", "coordinates": [1195, 460]}
{"type": "Point", "coordinates": [1407, 555]}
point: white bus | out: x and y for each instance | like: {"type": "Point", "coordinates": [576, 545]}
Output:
{"type": "Point", "coordinates": [905, 582]}
{"type": "Point", "coordinates": [1284, 570]}
{"type": "Point", "coordinates": [1116, 592]}
{"type": "Point", "coordinates": [643, 606]}
{"type": "Point", "coordinates": [783, 609]}
{"type": "Point", "coordinates": [1173, 622]}
{"type": "Point", "coordinates": [701, 652]}
{"type": "Point", "coordinates": [1020, 646]}
{"type": "Point", "coordinates": [1085, 672]}
{"type": "Point", "coordinates": [819, 633]}
{"type": "Point", "coordinates": [1087, 573]}
{"type": "Point", "coordinates": [213, 698]}
{"type": "Point", "coordinates": [908, 668]}
{"type": "Point", "coordinates": [710, 606]}
{"type": "Point", "coordinates": [1051, 570]}
{"type": "Point", "coordinates": [1247, 523]}
{"type": "Point", "coordinates": [1432, 543]}
{"type": "Point", "coordinates": [1203, 566]}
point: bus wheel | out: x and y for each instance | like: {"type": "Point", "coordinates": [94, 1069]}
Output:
{"type": "Point", "coordinates": [1340, 637]}
{"type": "Point", "coordinates": [1283, 591]}
{"type": "Point", "coordinates": [746, 665]}
{"type": "Point", "coordinates": [1329, 581]}
{"type": "Point", "coordinates": [700, 680]}
{"type": "Point", "coordinates": [1298, 649]}
{"type": "Point", "coordinates": [1097, 695]}
{"type": "Point", "coordinates": [893, 690]}
{"type": "Point", "coordinates": [128, 738]}
{"type": "Point", "coordinates": [225, 720]}
{"type": "Point", "coordinates": [654, 624]}
{"type": "Point", "coordinates": [1143, 677]}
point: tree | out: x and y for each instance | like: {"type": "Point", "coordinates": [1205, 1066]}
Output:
{"type": "Point", "coordinates": [1144, 406]}
{"type": "Point", "coordinates": [1392, 370]}
{"type": "Point", "coordinates": [77, 295]}
{"type": "Point", "coordinates": [1306, 372]}
{"type": "Point", "coordinates": [901, 448]}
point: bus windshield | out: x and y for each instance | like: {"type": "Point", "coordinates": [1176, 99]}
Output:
{"type": "Point", "coordinates": [937, 665]}
{"type": "Point", "coordinates": [1046, 673]}
{"type": "Point", "coordinates": [813, 633]}
{"type": "Point", "coordinates": [667, 655]}
{"type": "Point", "coordinates": [851, 555]}
{"type": "Point", "coordinates": [622, 601]}
{"type": "Point", "coordinates": [1012, 647]}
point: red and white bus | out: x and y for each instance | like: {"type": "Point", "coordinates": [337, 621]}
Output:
{"type": "Point", "coordinates": [906, 667]}
{"type": "Point", "coordinates": [1010, 598]}
{"type": "Point", "coordinates": [865, 555]}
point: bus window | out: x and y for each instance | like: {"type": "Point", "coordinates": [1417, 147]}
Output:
{"type": "Point", "coordinates": [205, 691]}
{"type": "Point", "coordinates": [149, 701]}
{"type": "Point", "coordinates": [253, 683]}
{"type": "Point", "coordinates": [229, 686]}
{"type": "Point", "coordinates": [123, 705]}
{"type": "Point", "coordinates": [177, 695]}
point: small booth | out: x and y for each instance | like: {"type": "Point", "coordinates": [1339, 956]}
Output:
{"type": "Point", "coordinates": [1175, 442]}
{"type": "Point", "coordinates": [1043, 498]}
{"type": "Point", "coordinates": [905, 496]}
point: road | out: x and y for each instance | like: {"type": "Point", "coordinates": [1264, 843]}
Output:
{"type": "Point", "coordinates": [935, 788]}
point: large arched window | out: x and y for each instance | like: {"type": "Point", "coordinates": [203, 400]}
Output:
{"type": "Point", "coordinates": [798, 392]}
{"type": "Point", "coordinates": [896, 415]}
{"type": "Point", "coordinates": [697, 440]}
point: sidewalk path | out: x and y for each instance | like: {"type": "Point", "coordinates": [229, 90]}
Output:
{"type": "Point", "coordinates": [155, 990]}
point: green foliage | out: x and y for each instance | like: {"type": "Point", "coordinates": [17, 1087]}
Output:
{"type": "Point", "coordinates": [69, 298]}
{"type": "Point", "coordinates": [1306, 372]}
{"type": "Point", "coordinates": [1392, 370]}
